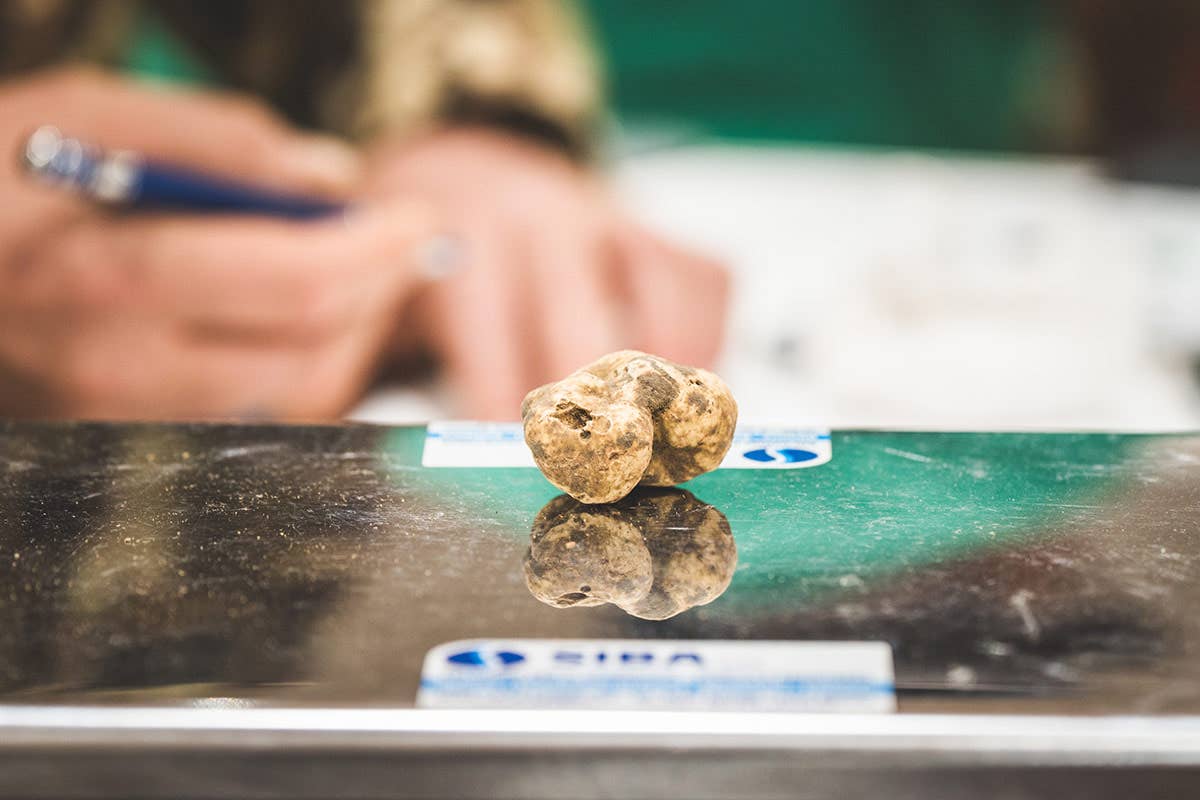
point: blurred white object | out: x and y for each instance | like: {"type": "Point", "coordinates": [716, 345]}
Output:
{"type": "Point", "coordinates": [918, 292]}
{"type": "Point", "coordinates": [404, 404]}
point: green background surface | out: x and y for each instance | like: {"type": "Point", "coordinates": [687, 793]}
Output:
{"type": "Point", "coordinates": [924, 73]}
{"type": "Point", "coordinates": [886, 502]}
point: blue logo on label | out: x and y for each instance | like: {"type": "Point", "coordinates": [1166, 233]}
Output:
{"type": "Point", "coordinates": [475, 658]}
{"type": "Point", "coordinates": [578, 657]}
{"type": "Point", "coordinates": [786, 454]}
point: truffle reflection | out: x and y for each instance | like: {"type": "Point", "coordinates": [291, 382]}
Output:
{"type": "Point", "coordinates": [654, 554]}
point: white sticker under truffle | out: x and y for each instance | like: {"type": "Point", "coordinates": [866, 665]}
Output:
{"type": "Point", "coordinates": [502, 444]}
{"type": "Point", "coordinates": [658, 674]}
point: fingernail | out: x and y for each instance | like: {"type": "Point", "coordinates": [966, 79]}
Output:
{"type": "Point", "coordinates": [326, 160]}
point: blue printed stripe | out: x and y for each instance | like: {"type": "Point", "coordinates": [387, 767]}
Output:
{"type": "Point", "coordinates": [541, 684]}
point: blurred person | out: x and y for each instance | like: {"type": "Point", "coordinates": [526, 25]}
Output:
{"type": "Point", "coordinates": [468, 117]}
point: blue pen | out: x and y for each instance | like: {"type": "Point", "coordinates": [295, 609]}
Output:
{"type": "Point", "coordinates": [122, 178]}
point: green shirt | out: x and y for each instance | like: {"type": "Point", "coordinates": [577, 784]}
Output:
{"type": "Point", "coordinates": [156, 53]}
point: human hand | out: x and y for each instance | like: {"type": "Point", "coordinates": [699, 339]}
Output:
{"type": "Point", "coordinates": [172, 316]}
{"type": "Point", "coordinates": [555, 276]}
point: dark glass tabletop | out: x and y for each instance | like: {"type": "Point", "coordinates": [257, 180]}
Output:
{"type": "Point", "coordinates": [296, 567]}
{"type": "Point", "coordinates": [318, 565]}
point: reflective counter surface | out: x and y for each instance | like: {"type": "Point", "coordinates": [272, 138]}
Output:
{"type": "Point", "coordinates": [243, 611]}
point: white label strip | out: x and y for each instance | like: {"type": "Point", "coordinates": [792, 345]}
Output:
{"type": "Point", "coordinates": [502, 444]}
{"type": "Point", "coordinates": [638, 674]}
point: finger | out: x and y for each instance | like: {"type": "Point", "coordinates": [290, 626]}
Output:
{"type": "Point", "coordinates": [575, 308]}
{"type": "Point", "coordinates": [316, 383]}
{"type": "Point", "coordinates": [257, 277]}
{"type": "Point", "coordinates": [135, 370]}
{"type": "Point", "coordinates": [272, 383]}
{"type": "Point", "coordinates": [224, 133]}
{"type": "Point", "coordinates": [337, 375]}
{"type": "Point", "coordinates": [679, 299]}
{"type": "Point", "coordinates": [24, 363]}
{"type": "Point", "coordinates": [476, 325]}
{"type": "Point", "coordinates": [110, 365]}
{"type": "Point", "coordinates": [122, 368]}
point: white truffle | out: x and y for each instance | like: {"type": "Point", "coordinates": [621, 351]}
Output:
{"type": "Point", "coordinates": [629, 418]}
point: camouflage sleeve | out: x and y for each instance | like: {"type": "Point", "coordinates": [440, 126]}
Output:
{"type": "Point", "coordinates": [520, 64]}
{"type": "Point", "coordinates": [38, 33]}
{"type": "Point", "coordinates": [358, 68]}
